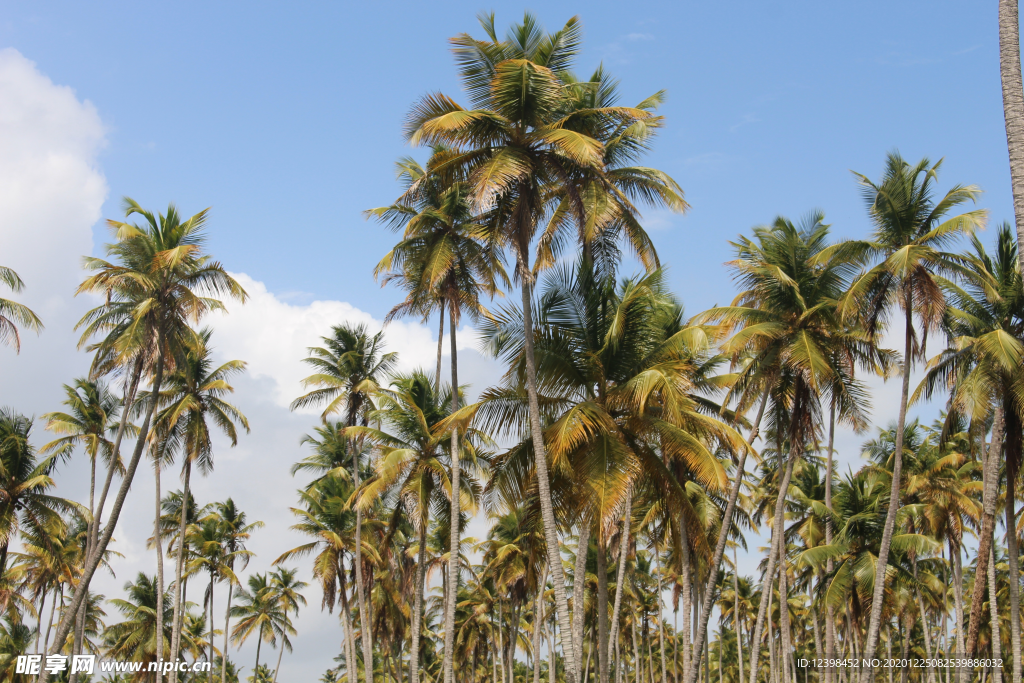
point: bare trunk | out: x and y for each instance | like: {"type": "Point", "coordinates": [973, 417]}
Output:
{"type": "Point", "coordinates": [1013, 114]}
{"type": "Point", "coordinates": [159, 570]}
{"type": "Point", "coordinates": [691, 668]}
{"type": "Point", "coordinates": [924, 628]}
{"type": "Point", "coordinates": [417, 611]}
{"type": "Point", "coordinates": [543, 481]}
{"type": "Point", "coordinates": [958, 599]}
{"type": "Point", "coordinates": [453, 553]}
{"type": "Point", "coordinates": [1011, 548]}
{"type": "Point", "coordinates": [351, 658]}
{"type": "Point", "coordinates": [736, 610]}
{"type": "Point", "coordinates": [76, 648]}
{"type": "Point", "coordinates": [620, 575]}
{"type": "Point", "coordinates": [280, 656]}
{"type": "Point", "coordinates": [227, 628]}
{"type": "Point", "coordinates": [871, 641]}
{"type": "Point", "coordinates": [579, 583]}
{"type": "Point", "coordinates": [997, 645]}
{"type": "Point", "coordinates": [830, 612]}
{"type": "Point", "coordinates": [661, 621]}
{"type": "Point", "coordinates": [990, 474]}
{"type": "Point", "coordinates": [115, 513]}
{"type": "Point", "coordinates": [604, 642]}
{"type": "Point", "coordinates": [365, 634]}
{"type": "Point", "coordinates": [785, 639]}
{"type": "Point", "coordinates": [440, 339]}
{"type": "Point", "coordinates": [179, 568]}
{"type": "Point", "coordinates": [538, 627]}
{"type": "Point", "coordinates": [723, 537]}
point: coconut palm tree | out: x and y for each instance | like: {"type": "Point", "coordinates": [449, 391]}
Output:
{"type": "Point", "coordinates": [134, 638]}
{"type": "Point", "coordinates": [911, 227]}
{"type": "Point", "coordinates": [1013, 116]}
{"type": "Point", "coordinates": [13, 314]}
{"type": "Point", "coordinates": [235, 530]}
{"type": "Point", "coordinates": [191, 399]}
{"type": "Point", "coordinates": [285, 586]}
{"type": "Point", "coordinates": [350, 368]}
{"type": "Point", "coordinates": [158, 283]}
{"type": "Point", "coordinates": [260, 613]}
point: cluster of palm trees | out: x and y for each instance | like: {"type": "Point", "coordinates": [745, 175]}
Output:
{"type": "Point", "coordinates": [623, 458]}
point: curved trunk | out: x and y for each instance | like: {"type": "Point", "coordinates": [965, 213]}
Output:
{"type": "Point", "coordinates": [877, 597]}
{"type": "Point", "coordinates": [1013, 116]}
{"type": "Point", "coordinates": [451, 596]}
{"type": "Point", "coordinates": [280, 655]}
{"type": "Point", "coordinates": [417, 611]}
{"type": "Point", "coordinates": [538, 626]}
{"type": "Point", "coordinates": [544, 481]}
{"type": "Point", "coordinates": [179, 567]}
{"type": "Point", "coordinates": [723, 537]}
{"type": "Point", "coordinates": [990, 477]}
{"type": "Point", "coordinates": [159, 572]}
{"type": "Point", "coordinates": [579, 584]}
{"type": "Point", "coordinates": [256, 671]}
{"type": "Point", "coordinates": [620, 578]}
{"type": "Point", "coordinates": [39, 628]}
{"type": "Point", "coordinates": [108, 531]}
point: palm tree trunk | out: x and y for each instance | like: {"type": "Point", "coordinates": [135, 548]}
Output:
{"type": "Point", "coordinates": [256, 670]}
{"type": "Point", "coordinates": [958, 600]}
{"type": "Point", "coordinates": [57, 595]}
{"type": "Point", "coordinates": [227, 625]}
{"type": "Point", "coordinates": [351, 658]}
{"type": "Point", "coordinates": [736, 610]}
{"type": "Point", "coordinates": [638, 667]}
{"type": "Point", "coordinates": [661, 620]}
{"type": "Point", "coordinates": [76, 648]}
{"type": "Point", "coordinates": [39, 628]}
{"type": "Point", "coordinates": [773, 669]}
{"type": "Point", "coordinates": [686, 593]}
{"type": "Point", "coordinates": [620, 580]}
{"type": "Point", "coordinates": [417, 610]}
{"type": "Point", "coordinates": [209, 657]}
{"type": "Point", "coordinates": [723, 537]}
{"type": "Point", "coordinates": [440, 339]}
{"type": "Point", "coordinates": [924, 626]}
{"type": "Point", "coordinates": [604, 642]}
{"type": "Point", "coordinates": [108, 531]}
{"type": "Point", "coordinates": [997, 645]}
{"type": "Point", "coordinates": [159, 572]}
{"type": "Point", "coordinates": [1011, 547]}
{"type": "Point", "coordinates": [538, 626]}
{"type": "Point", "coordinates": [453, 547]}
{"type": "Point", "coordinates": [543, 479]}
{"type": "Point", "coordinates": [365, 636]}
{"type": "Point", "coordinates": [579, 584]}
{"type": "Point", "coordinates": [280, 655]}
{"type": "Point", "coordinates": [1013, 115]}
{"type": "Point", "coordinates": [878, 593]}
{"type": "Point", "coordinates": [830, 612]}
{"type": "Point", "coordinates": [179, 567]}
{"type": "Point", "coordinates": [990, 473]}
{"type": "Point", "coordinates": [773, 554]}
{"type": "Point", "coordinates": [785, 639]}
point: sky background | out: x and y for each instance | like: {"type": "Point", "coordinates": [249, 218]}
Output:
{"type": "Point", "coordinates": [286, 120]}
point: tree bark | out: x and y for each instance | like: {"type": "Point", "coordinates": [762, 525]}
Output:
{"type": "Point", "coordinates": [1013, 113]}
{"type": "Point", "coordinates": [453, 553]}
{"type": "Point", "coordinates": [723, 537]}
{"type": "Point", "coordinates": [417, 610]}
{"type": "Point", "coordinates": [159, 571]}
{"type": "Point", "coordinates": [227, 625]}
{"type": "Point", "coordinates": [830, 612]}
{"type": "Point", "coordinates": [661, 621]}
{"type": "Point", "coordinates": [179, 568]}
{"type": "Point", "coordinates": [538, 626]}
{"type": "Point", "coordinates": [579, 584]}
{"type": "Point", "coordinates": [877, 598]}
{"type": "Point", "coordinates": [108, 531]}
{"type": "Point", "coordinates": [440, 339]}
{"type": "Point", "coordinates": [544, 480]}
{"type": "Point", "coordinates": [990, 473]}
{"type": "Point", "coordinates": [620, 577]}
{"type": "Point", "coordinates": [997, 646]}
{"type": "Point", "coordinates": [1011, 548]}
{"type": "Point", "coordinates": [365, 634]}
{"type": "Point", "coordinates": [736, 610]}
{"type": "Point", "coordinates": [604, 642]}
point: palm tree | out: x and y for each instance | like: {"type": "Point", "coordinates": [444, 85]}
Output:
{"type": "Point", "coordinates": [349, 370]}
{"type": "Point", "coordinates": [910, 230]}
{"type": "Point", "coordinates": [1013, 115]}
{"type": "Point", "coordinates": [13, 314]}
{"type": "Point", "coordinates": [192, 396]}
{"type": "Point", "coordinates": [235, 530]}
{"type": "Point", "coordinates": [134, 638]}
{"type": "Point", "coordinates": [442, 258]}
{"type": "Point", "coordinates": [209, 555]}
{"type": "Point", "coordinates": [261, 614]}
{"type": "Point", "coordinates": [155, 287]}
{"type": "Point", "coordinates": [285, 586]}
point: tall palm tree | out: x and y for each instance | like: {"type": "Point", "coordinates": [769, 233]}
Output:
{"type": "Point", "coordinates": [235, 530]}
{"type": "Point", "coordinates": [260, 613]}
{"type": "Point", "coordinates": [134, 638]}
{"type": "Point", "coordinates": [210, 555]}
{"type": "Point", "coordinates": [518, 150]}
{"type": "Point", "coordinates": [191, 399]}
{"type": "Point", "coordinates": [911, 226]}
{"type": "Point", "coordinates": [285, 586]}
{"type": "Point", "coordinates": [1013, 116]}
{"type": "Point", "coordinates": [13, 314]}
{"type": "Point", "coordinates": [159, 282]}
{"type": "Point", "coordinates": [443, 258]}
{"type": "Point", "coordinates": [350, 368]}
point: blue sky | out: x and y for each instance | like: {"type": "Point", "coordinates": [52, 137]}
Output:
{"type": "Point", "coordinates": [286, 119]}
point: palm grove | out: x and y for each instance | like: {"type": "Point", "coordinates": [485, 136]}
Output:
{"type": "Point", "coordinates": [624, 457]}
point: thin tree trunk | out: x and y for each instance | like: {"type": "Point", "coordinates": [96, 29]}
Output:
{"type": "Point", "coordinates": [256, 670]}
{"type": "Point", "coordinates": [108, 531]}
{"type": "Point", "coordinates": [620, 577]}
{"type": "Point", "coordinates": [958, 600]}
{"type": "Point", "coordinates": [773, 668]}
{"type": "Point", "coordinates": [227, 625]}
{"type": "Point", "coordinates": [990, 473]}
{"type": "Point", "coordinates": [543, 478]}
{"type": "Point", "coordinates": [691, 668]}
{"type": "Point", "coordinates": [878, 593]}
{"type": "Point", "coordinates": [723, 537]}
{"type": "Point", "coordinates": [417, 611]}
{"type": "Point", "coordinates": [440, 339]}
{"type": "Point", "coordinates": [1011, 548]}
{"type": "Point", "coordinates": [552, 659]}
{"type": "Point", "coordinates": [159, 571]}
{"type": "Point", "coordinates": [604, 641]}
{"type": "Point", "coordinates": [453, 553]}
{"type": "Point", "coordinates": [785, 640]}
{"type": "Point", "coordinates": [57, 597]}
{"type": "Point", "coordinates": [352, 665]}
{"type": "Point", "coordinates": [637, 664]}
{"type": "Point", "coordinates": [179, 567]}
{"type": "Point", "coordinates": [830, 612]}
{"type": "Point", "coordinates": [997, 645]}
{"type": "Point", "coordinates": [365, 635]}
{"type": "Point", "coordinates": [210, 656]}
{"type": "Point", "coordinates": [580, 583]}
{"type": "Point", "coordinates": [924, 627]}
{"type": "Point", "coordinates": [736, 610]}
{"type": "Point", "coordinates": [538, 626]}
{"type": "Point", "coordinates": [280, 655]}
{"type": "Point", "coordinates": [76, 648]}
{"type": "Point", "coordinates": [42, 610]}
{"type": "Point", "coordinates": [1013, 115]}
{"type": "Point", "coordinates": [661, 621]}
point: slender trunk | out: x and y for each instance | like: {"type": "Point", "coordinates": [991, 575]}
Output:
{"type": "Point", "coordinates": [76, 648]}
{"type": "Point", "coordinates": [579, 583]}
{"type": "Point", "coordinates": [661, 621]}
{"type": "Point", "coordinates": [280, 655]}
{"type": "Point", "coordinates": [39, 629]}
{"type": "Point", "coordinates": [686, 593]}
{"type": "Point", "coordinates": [736, 610]}
{"type": "Point", "coordinates": [773, 553]}
{"type": "Point", "coordinates": [365, 636]}
{"type": "Point", "coordinates": [1013, 115]}
{"type": "Point", "coordinates": [1011, 548]}
{"type": "Point", "coordinates": [830, 612]}
{"type": "Point", "coordinates": [785, 639]}
{"type": "Point", "coordinates": [552, 659]}
{"type": "Point", "coordinates": [604, 643]}
{"type": "Point", "coordinates": [209, 657]}
{"type": "Point", "coordinates": [256, 670]}
{"type": "Point", "coordinates": [543, 479]}
{"type": "Point", "coordinates": [57, 597]}
{"type": "Point", "coordinates": [453, 547]}
{"type": "Point", "coordinates": [990, 474]}
{"type": "Point", "coordinates": [997, 645]}
{"type": "Point", "coordinates": [108, 531]}
{"type": "Point", "coordinates": [958, 599]}
{"type": "Point", "coordinates": [159, 570]}
{"type": "Point", "coordinates": [227, 626]}
{"type": "Point", "coordinates": [417, 610]}
{"type": "Point", "coordinates": [637, 665]}
{"type": "Point", "coordinates": [924, 627]}
{"type": "Point", "coordinates": [538, 626]}
{"type": "Point", "coordinates": [500, 655]}
{"type": "Point", "coordinates": [179, 567]}
{"type": "Point", "coordinates": [440, 339]}
{"type": "Point", "coordinates": [773, 668]}
{"type": "Point", "coordinates": [878, 593]}
{"type": "Point", "coordinates": [817, 639]}
{"type": "Point", "coordinates": [723, 537]}
{"type": "Point", "coordinates": [620, 576]}
{"type": "Point", "coordinates": [352, 658]}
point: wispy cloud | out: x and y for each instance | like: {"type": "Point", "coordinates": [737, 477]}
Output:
{"type": "Point", "coordinates": [746, 120]}
{"type": "Point", "coordinates": [966, 50]}
{"type": "Point", "coordinates": [639, 36]}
